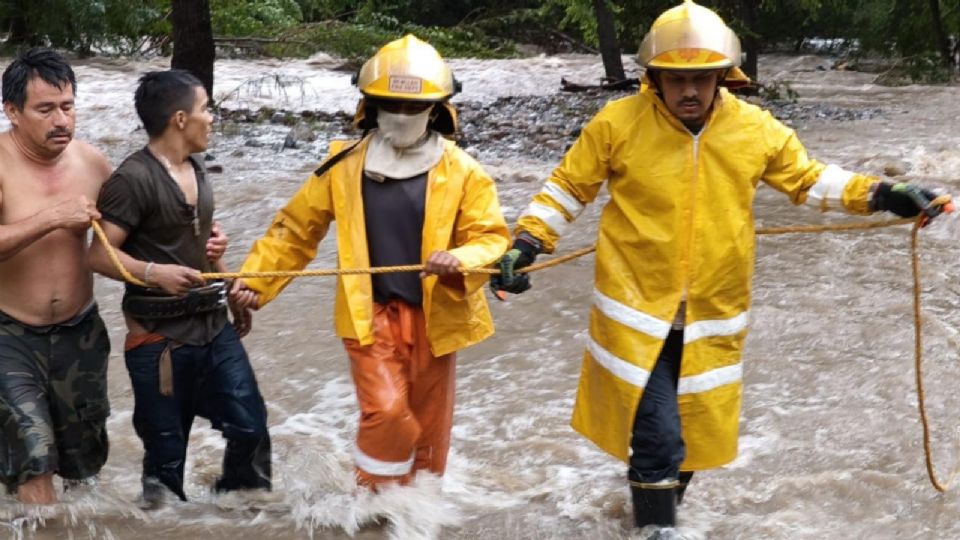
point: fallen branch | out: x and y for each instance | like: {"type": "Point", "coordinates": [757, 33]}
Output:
{"type": "Point", "coordinates": [624, 84]}
{"type": "Point", "coordinates": [576, 43]}
{"type": "Point", "coordinates": [276, 80]}
{"type": "Point", "coordinates": [258, 40]}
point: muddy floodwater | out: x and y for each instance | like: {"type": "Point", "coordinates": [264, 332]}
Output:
{"type": "Point", "coordinates": [830, 446]}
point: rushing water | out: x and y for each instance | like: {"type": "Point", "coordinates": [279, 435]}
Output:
{"type": "Point", "coordinates": [830, 443]}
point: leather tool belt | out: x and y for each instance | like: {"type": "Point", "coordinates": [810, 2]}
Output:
{"type": "Point", "coordinates": [155, 304]}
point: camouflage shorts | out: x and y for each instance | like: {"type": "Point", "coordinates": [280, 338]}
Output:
{"type": "Point", "coordinates": [53, 398]}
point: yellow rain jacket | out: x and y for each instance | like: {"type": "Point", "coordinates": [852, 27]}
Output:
{"type": "Point", "coordinates": [679, 226]}
{"type": "Point", "coordinates": [462, 217]}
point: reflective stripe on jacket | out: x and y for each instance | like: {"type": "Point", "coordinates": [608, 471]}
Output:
{"type": "Point", "coordinates": [462, 216]}
{"type": "Point", "coordinates": [678, 226]}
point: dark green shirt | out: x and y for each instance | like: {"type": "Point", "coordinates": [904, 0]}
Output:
{"type": "Point", "coordinates": [143, 199]}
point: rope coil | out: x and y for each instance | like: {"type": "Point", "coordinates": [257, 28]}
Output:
{"type": "Point", "coordinates": [769, 231]}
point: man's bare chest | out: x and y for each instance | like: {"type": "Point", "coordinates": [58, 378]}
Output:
{"type": "Point", "coordinates": [27, 190]}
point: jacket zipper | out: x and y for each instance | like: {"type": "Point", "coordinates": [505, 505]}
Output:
{"type": "Point", "coordinates": [693, 196]}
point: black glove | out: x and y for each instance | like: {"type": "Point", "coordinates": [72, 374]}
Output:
{"type": "Point", "coordinates": [522, 254]}
{"type": "Point", "coordinates": [905, 200]}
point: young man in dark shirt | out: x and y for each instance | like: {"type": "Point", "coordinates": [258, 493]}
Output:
{"type": "Point", "coordinates": [183, 356]}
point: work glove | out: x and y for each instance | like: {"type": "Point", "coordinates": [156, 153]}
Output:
{"type": "Point", "coordinates": [522, 254]}
{"type": "Point", "coordinates": [907, 200]}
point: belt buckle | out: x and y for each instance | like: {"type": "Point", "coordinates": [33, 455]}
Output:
{"type": "Point", "coordinates": [221, 293]}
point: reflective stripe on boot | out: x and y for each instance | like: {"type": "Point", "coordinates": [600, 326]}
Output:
{"type": "Point", "coordinates": [655, 504]}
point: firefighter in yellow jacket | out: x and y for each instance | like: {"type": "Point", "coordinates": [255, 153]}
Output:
{"type": "Point", "coordinates": [401, 195]}
{"type": "Point", "coordinates": [675, 251]}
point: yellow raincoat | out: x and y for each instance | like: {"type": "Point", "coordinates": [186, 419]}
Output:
{"type": "Point", "coordinates": [463, 217]}
{"type": "Point", "coordinates": [679, 226]}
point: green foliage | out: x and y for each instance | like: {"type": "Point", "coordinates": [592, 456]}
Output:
{"type": "Point", "coordinates": [779, 91]}
{"type": "Point", "coordinates": [351, 41]}
{"type": "Point", "coordinates": [907, 30]}
{"type": "Point", "coordinates": [924, 68]}
{"type": "Point", "coordinates": [253, 17]}
{"type": "Point", "coordinates": [440, 12]}
{"type": "Point", "coordinates": [123, 26]}
{"type": "Point", "coordinates": [130, 26]}
{"type": "Point", "coordinates": [458, 41]}
{"type": "Point", "coordinates": [575, 14]}
{"type": "Point", "coordinates": [790, 22]}
{"type": "Point", "coordinates": [359, 40]}
{"type": "Point", "coordinates": [324, 10]}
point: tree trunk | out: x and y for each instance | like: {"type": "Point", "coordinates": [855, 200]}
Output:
{"type": "Point", "coordinates": [751, 44]}
{"type": "Point", "coordinates": [21, 33]}
{"type": "Point", "coordinates": [193, 48]}
{"type": "Point", "coordinates": [609, 45]}
{"type": "Point", "coordinates": [943, 41]}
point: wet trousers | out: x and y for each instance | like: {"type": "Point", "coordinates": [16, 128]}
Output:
{"type": "Point", "coordinates": [53, 398]}
{"type": "Point", "coordinates": [406, 398]}
{"type": "Point", "coordinates": [214, 381]}
{"type": "Point", "coordinates": [657, 447]}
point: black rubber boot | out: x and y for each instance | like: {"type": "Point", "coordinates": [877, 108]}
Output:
{"type": "Point", "coordinates": [170, 476]}
{"type": "Point", "coordinates": [682, 484]}
{"type": "Point", "coordinates": [246, 465]}
{"type": "Point", "coordinates": [157, 492]}
{"type": "Point", "coordinates": [655, 504]}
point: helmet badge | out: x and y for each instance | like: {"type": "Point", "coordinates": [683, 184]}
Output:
{"type": "Point", "coordinates": [405, 85]}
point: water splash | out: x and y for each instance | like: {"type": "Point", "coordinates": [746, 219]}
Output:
{"type": "Point", "coordinates": [80, 510]}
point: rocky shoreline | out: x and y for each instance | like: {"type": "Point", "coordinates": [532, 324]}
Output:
{"type": "Point", "coordinates": [540, 127]}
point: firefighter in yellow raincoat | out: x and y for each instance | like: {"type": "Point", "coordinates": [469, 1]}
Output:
{"type": "Point", "coordinates": [675, 250]}
{"type": "Point", "coordinates": [401, 195]}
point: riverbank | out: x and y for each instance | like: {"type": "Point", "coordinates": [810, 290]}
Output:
{"type": "Point", "coordinates": [537, 127]}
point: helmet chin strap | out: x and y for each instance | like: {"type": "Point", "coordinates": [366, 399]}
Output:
{"type": "Point", "coordinates": [720, 79]}
{"type": "Point", "coordinates": [652, 77]}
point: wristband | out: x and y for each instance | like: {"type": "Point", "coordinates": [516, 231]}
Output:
{"type": "Point", "coordinates": [146, 273]}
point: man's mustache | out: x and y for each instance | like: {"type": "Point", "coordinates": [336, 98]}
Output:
{"type": "Point", "coordinates": [59, 133]}
{"type": "Point", "coordinates": [690, 102]}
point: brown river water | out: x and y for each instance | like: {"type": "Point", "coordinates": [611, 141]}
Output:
{"type": "Point", "coordinates": [831, 444]}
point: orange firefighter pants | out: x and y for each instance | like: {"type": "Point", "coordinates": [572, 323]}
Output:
{"type": "Point", "coordinates": [406, 398]}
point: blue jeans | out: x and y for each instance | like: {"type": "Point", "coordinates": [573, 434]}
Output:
{"type": "Point", "coordinates": [657, 445]}
{"type": "Point", "coordinates": [214, 381]}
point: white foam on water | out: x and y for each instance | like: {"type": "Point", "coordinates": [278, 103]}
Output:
{"type": "Point", "coordinates": [81, 509]}
{"type": "Point", "coordinates": [330, 498]}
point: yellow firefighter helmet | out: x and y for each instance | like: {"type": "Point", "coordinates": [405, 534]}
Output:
{"type": "Point", "coordinates": [689, 37]}
{"type": "Point", "coordinates": [407, 69]}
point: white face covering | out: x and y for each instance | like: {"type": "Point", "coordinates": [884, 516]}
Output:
{"type": "Point", "coordinates": [403, 130]}
{"type": "Point", "coordinates": [384, 160]}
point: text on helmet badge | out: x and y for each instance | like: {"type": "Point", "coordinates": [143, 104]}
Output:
{"type": "Point", "coordinates": [405, 85]}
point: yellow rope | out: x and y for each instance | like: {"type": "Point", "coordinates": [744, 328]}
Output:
{"type": "Point", "coordinates": [804, 229]}
{"type": "Point", "coordinates": [127, 276]}
{"type": "Point", "coordinates": [838, 227]}
{"type": "Point", "coordinates": [114, 258]}
{"type": "Point", "coordinates": [390, 269]}
{"type": "Point", "coordinates": [918, 366]}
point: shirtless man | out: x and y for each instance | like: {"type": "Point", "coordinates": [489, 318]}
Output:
{"type": "Point", "coordinates": [53, 344]}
